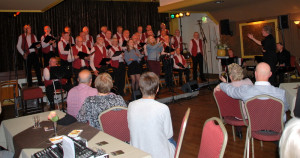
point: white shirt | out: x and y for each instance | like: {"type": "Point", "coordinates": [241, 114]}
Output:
{"type": "Point", "coordinates": [44, 45]}
{"type": "Point", "coordinates": [61, 47]}
{"type": "Point", "coordinates": [92, 64]}
{"type": "Point", "coordinates": [115, 35]}
{"type": "Point", "coordinates": [121, 43]}
{"type": "Point", "coordinates": [119, 58]}
{"type": "Point", "coordinates": [88, 38]}
{"type": "Point", "coordinates": [71, 58]}
{"type": "Point", "coordinates": [100, 34]}
{"type": "Point", "coordinates": [150, 126]}
{"type": "Point", "coordinates": [262, 83]}
{"type": "Point", "coordinates": [28, 39]}
{"type": "Point", "coordinates": [73, 42]}
{"type": "Point", "coordinates": [191, 46]}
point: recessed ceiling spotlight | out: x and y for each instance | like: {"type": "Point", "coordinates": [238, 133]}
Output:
{"type": "Point", "coordinates": [219, 2]}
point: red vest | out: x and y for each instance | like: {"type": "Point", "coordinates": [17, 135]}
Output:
{"type": "Point", "coordinates": [106, 43]}
{"type": "Point", "coordinates": [24, 44]}
{"type": "Point", "coordinates": [143, 38]}
{"type": "Point", "coordinates": [62, 56]}
{"type": "Point", "coordinates": [146, 34]}
{"type": "Point", "coordinates": [166, 30]}
{"type": "Point", "coordinates": [98, 56]}
{"type": "Point", "coordinates": [118, 36]}
{"type": "Point", "coordinates": [90, 38]}
{"type": "Point", "coordinates": [177, 60]}
{"type": "Point", "coordinates": [46, 50]}
{"type": "Point", "coordinates": [49, 82]}
{"type": "Point", "coordinates": [101, 35]}
{"type": "Point", "coordinates": [89, 43]}
{"type": "Point", "coordinates": [176, 43]}
{"type": "Point", "coordinates": [194, 48]}
{"type": "Point", "coordinates": [77, 62]}
{"type": "Point", "coordinates": [115, 63]}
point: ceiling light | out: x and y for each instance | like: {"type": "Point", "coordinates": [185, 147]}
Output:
{"type": "Point", "coordinates": [172, 16]}
{"type": "Point", "coordinates": [219, 2]}
{"type": "Point", "coordinates": [187, 14]}
{"type": "Point", "coordinates": [297, 22]}
{"type": "Point", "coordinates": [177, 15]}
{"type": "Point", "coordinates": [181, 14]}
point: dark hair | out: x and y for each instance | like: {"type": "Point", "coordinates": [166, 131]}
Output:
{"type": "Point", "coordinates": [268, 29]}
{"type": "Point", "coordinates": [149, 83]}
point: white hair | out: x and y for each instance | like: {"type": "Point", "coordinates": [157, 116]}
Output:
{"type": "Point", "coordinates": [290, 140]}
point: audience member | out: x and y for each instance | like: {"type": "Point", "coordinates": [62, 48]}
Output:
{"type": "Point", "coordinates": [94, 105]}
{"type": "Point", "coordinates": [284, 60]}
{"type": "Point", "coordinates": [261, 87]}
{"type": "Point", "coordinates": [149, 121]}
{"type": "Point", "coordinates": [290, 140]}
{"type": "Point", "coordinates": [236, 76]}
{"type": "Point", "coordinates": [78, 94]}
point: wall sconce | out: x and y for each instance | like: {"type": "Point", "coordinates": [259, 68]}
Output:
{"type": "Point", "coordinates": [297, 22]}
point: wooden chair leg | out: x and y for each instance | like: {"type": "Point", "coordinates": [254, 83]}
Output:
{"type": "Point", "coordinates": [261, 144]}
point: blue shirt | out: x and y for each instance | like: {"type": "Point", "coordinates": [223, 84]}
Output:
{"type": "Point", "coordinates": [132, 55]}
{"type": "Point", "coordinates": [153, 51]}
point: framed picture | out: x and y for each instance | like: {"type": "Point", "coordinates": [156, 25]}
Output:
{"type": "Point", "coordinates": [249, 48]}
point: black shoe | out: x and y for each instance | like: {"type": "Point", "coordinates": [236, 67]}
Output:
{"type": "Point", "coordinates": [41, 84]}
{"type": "Point", "coordinates": [239, 134]}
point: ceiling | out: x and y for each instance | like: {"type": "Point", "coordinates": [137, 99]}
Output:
{"type": "Point", "coordinates": [27, 5]}
{"type": "Point", "coordinates": [237, 10]}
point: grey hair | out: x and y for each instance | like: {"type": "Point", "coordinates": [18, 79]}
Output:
{"type": "Point", "coordinates": [268, 29]}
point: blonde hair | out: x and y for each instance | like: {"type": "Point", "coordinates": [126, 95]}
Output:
{"type": "Point", "coordinates": [104, 83]}
{"type": "Point", "coordinates": [290, 140]}
{"type": "Point", "coordinates": [148, 41]}
{"type": "Point", "coordinates": [149, 83]}
{"type": "Point", "coordinates": [235, 71]}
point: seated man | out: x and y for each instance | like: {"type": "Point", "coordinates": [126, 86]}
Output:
{"type": "Point", "coordinates": [57, 85]}
{"type": "Point", "coordinates": [94, 105]}
{"type": "Point", "coordinates": [180, 65]}
{"type": "Point", "coordinates": [261, 87]}
{"type": "Point", "coordinates": [78, 94]}
{"type": "Point", "coordinates": [149, 121]}
{"type": "Point", "coordinates": [283, 57]}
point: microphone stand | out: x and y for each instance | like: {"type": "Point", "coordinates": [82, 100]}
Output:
{"type": "Point", "coordinates": [15, 68]}
{"type": "Point", "coordinates": [204, 50]}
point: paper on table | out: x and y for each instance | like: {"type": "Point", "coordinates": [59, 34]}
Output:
{"type": "Point", "coordinates": [68, 147]}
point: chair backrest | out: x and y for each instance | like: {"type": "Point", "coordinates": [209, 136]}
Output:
{"type": "Point", "coordinates": [265, 113]}
{"type": "Point", "coordinates": [227, 106]}
{"type": "Point", "coordinates": [114, 122]}
{"type": "Point", "coordinates": [182, 131]}
{"type": "Point", "coordinates": [8, 90]}
{"type": "Point", "coordinates": [213, 140]}
{"type": "Point", "coordinates": [292, 61]}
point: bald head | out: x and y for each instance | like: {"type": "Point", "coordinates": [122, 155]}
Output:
{"type": "Point", "coordinates": [263, 72]}
{"type": "Point", "coordinates": [85, 77]}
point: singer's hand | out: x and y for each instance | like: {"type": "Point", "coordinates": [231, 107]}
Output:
{"type": "Point", "coordinates": [250, 36]}
{"type": "Point", "coordinates": [25, 56]}
{"type": "Point", "coordinates": [38, 46]}
{"type": "Point", "coordinates": [96, 73]}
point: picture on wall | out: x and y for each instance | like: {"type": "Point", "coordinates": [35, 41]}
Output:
{"type": "Point", "coordinates": [249, 48]}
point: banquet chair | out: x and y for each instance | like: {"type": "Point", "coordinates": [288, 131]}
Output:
{"type": "Point", "coordinates": [114, 122]}
{"type": "Point", "coordinates": [213, 140]}
{"type": "Point", "coordinates": [182, 131]}
{"type": "Point", "coordinates": [32, 93]}
{"type": "Point", "coordinates": [9, 90]}
{"type": "Point", "coordinates": [230, 110]}
{"type": "Point", "coordinates": [265, 115]}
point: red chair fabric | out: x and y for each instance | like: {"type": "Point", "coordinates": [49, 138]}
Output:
{"type": "Point", "coordinates": [229, 109]}
{"type": "Point", "coordinates": [32, 93]}
{"type": "Point", "coordinates": [214, 139]}
{"type": "Point", "coordinates": [293, 61]}
{"type": "Point", "coordinates": [265, 118]}
{"type": "Point", "coordinates": [114, 123]}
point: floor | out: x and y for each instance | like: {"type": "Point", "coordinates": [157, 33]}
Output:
{"type": "Point", "coordinates": [202, 107]}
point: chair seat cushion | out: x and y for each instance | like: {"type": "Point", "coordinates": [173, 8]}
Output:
{"type": "Point", "coordinates": [234, 121]}
{"type": "Point", "coordinates": [32, 93]}
{"type": "Point", "coordinates": [266, 135]}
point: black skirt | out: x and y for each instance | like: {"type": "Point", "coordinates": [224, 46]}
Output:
{"type": "Point", "coordinates": [134, 68]}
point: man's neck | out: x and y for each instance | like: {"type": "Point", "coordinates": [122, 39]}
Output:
{"type": "Point", "coordinates": [148, 97]}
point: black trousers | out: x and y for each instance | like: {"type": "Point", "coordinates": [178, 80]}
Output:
{"type": "Point", "coordinates": [50, 91]}
{"type": "Point", "coordinates": [272, 65]}
{"type": "Point", "coordinates": [33, 60]}
{"type": "Point", "coordinates": [119, 77]}
{"type": "Point", "coordinates": [47, 57]}
{"type": "Point", "coordinates": [186, 71]}
{"type": "Point", "coordinates": [197, 61]}
{"type": "Point", "coordinates": [168, 69]}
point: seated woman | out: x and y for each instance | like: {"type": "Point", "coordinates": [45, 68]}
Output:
{"type": "Point", "coordinates": [149, 121]}
{"type": "Point", "coordinates": [236, 76]}
{"type": "Point", "coordinates": [93, 106]}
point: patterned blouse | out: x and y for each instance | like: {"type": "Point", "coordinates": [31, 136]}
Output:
{"type": "Point", "coordinates": [93, 106]}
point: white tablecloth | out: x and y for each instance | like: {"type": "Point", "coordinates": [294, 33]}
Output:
{"type": "Point", "coordinates": [290, 94]}
{"type": "Point", "coordinates": [10, 128]}
{"type": "Point", "coordinates": [114, 144]}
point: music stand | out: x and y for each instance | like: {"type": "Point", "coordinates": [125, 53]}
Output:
{"type": "Point", "coordinates": [59, 72]}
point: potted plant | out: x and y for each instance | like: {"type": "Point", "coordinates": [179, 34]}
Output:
{"type": "Point", "coordinates": [221, 49]}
